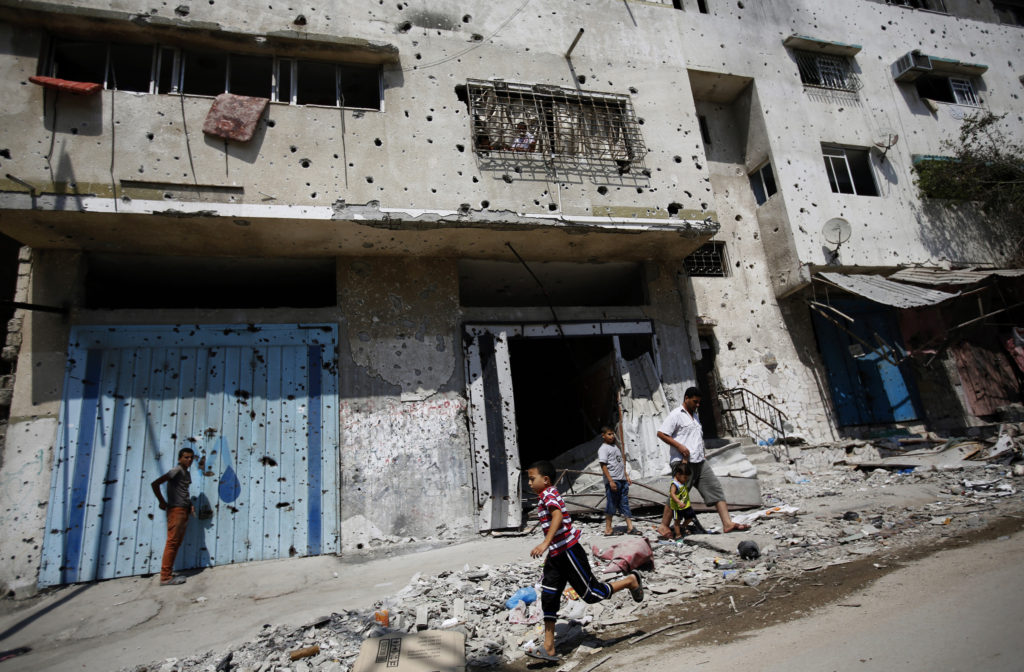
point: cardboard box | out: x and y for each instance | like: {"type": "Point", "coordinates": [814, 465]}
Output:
{"type": "Point", "coordinates": [426, 651]}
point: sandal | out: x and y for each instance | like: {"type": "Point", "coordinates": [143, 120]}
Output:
{"type": "Point", "coordinates": [637, 593]}
{"type": "Point", "coordinates": [540, 654]}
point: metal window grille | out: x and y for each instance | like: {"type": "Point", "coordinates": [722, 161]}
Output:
{"type": "Point", "coordinates": [827, 71]}
{"type": "Point", "coordinates": [540, 122]}
{"type": "Point", "coordinates": [708, 260]}
{"type": "Point", "coordinates": [963, 92]}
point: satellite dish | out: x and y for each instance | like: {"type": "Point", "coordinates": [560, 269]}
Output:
{"type": "Point", "coordinates": [885, 140]}
{"type": "Point", "coordinates": [837, 231]}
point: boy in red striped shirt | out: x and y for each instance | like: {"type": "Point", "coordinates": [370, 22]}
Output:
{"type": "Point", "coordinates": [567, 560]}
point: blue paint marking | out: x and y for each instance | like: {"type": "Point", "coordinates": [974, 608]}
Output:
{"type": "Point", "coordinates": [83, 464]}
{"type": "Point", "coordinates": [314, 448]}
{"type": "Point", "coordinates": [229, 488]}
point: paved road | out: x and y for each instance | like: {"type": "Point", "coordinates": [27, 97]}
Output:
{"type": "Point", "coordinates": [961, 609]}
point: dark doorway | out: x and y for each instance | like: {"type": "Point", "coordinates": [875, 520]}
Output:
{"type": "Point", "coordinates": [565, 389]}
{"type": "Point", "coordinates": [707, 382]}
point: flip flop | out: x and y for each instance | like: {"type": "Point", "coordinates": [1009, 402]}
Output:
{"type": "Point", "coordinates": [541, 654]}
{"type": "Point", "coordinates": [738, 527]}
{"type": "Point", "coordinates": [637, 593]}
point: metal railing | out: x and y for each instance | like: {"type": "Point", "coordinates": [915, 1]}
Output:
{"type": "Point", "coordinates": [739, 401]}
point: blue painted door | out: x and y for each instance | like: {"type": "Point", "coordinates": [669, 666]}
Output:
{"type": "Point", "coordinates": [257, 404]}
{"type": "Point", "coordinates": [866, 387]}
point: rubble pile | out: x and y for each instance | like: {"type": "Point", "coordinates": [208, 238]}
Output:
{"type": "Point", "coordinates": [827, 506]}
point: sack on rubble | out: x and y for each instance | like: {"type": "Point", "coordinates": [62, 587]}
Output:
{"type": "Point", "coordinates": [524, 614]}
{"type": "Point", "coordinates": [630, 553]}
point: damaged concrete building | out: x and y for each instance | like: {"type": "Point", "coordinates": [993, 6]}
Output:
{"type": "Point", "coordinates": [370, 258]}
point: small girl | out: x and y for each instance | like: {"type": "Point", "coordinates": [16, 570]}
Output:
{"type": "Point", "coordinates": [679, 501]}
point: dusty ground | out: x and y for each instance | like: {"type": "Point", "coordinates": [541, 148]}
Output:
{"type": "Point", "coordinates": [716, 621]}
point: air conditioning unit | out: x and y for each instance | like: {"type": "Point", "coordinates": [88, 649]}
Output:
{"type": "Point", "coordinates": [910, 66]}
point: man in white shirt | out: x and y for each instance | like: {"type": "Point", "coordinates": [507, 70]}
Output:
{"type": "Point", "coordinates": [685, 438]}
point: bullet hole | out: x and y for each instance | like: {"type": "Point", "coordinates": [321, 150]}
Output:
{"type": "Point", "coordinates": [149, 136]}
{"type": "Point", "coordinates": [313, 195]}
{"type": "Point", "coordinates": [378, 142]}
{"type": "Point", "coordinates": [552, 207]}
{"type": "Point", "coordinates": [271, 123]}
{"type": "Point", "coordinates": [268, 461]}
{"type": "Point", "coordinates": [182, 10]}
{"type": "Point", "coordinates": [461, 148]}
{"type": "Point", "coordinates": [740, 218]}
{"type": "Point", "coordinates": [485, 204]}
{"type": "Point", "coordinates": [466, 18]}
{"type": "Point", "coordinates": [300, 20]}
{"type": "Point", "coordinates": [475, 179]}
{"type": "Point", "coordinates": [150, 516]}
{"type": "Point", "coordinates": [305, 163]}
{"type": "Point", "coordinates": [640, 120]}
{"type": "Point", "coordinates": [406, 114]}
{"type": "Point", "coordinates": [507, 178]}
{"type": "Point", "coordinates": [730, 345]}
{"type": "Point", "coordinates": [419, 57]}
{"type": "Point", "coordinates": [633, 90]}
{"type": "Point", "coordinates": [405, 27]}
{"type": "Point", "coordinates": [232, 509]}
{"type": "Point", "coordinates": [74, 131]}
{"type": "Point", "coordinates": [433, 191]}
{"type": "Point", "coordinates": [282, 505]}
{"type": "Point", "coordinates": [602, 190]}
{"type": "Point", "coordinates": [359, 546]}
{"type": "Point", "coordinates": [740, 5]}
{"type": "Point", "coordinates": [430, 117]}
{"type": "Point", "coordinates": [369, 179]}
{"type": "Point", "coordinates": [582, 79]}
{"type": "Point", "coordinates": [293, 149]}
{"type": "Point", "coordinates": [639, 190]}
{"type": "Point", "coordinates": [6, 153]}
{"type": "Point", "coordinates": [673, 209]}
{"type": "Point", "coordinates": [677, 159]}
{"type": "Point", "coordinates": [292, 552]}
{"type": "Point", "coordinates": [477, 37]}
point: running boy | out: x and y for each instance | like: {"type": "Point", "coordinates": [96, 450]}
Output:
{"type": "Point", "coordinates": [567, 559]}
{"type": "Point", "coordinates": [617, 481]}
{"type": "Point", "coordinates": [679, 502]}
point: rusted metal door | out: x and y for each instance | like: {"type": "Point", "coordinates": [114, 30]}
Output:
{"type": "Point", "coordinates": [492, 426]}
{"type": "Point", "coordinates": [258, 405]}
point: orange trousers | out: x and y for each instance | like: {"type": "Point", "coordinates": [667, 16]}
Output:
{"type": "Point", "coordinates": [177, 521]}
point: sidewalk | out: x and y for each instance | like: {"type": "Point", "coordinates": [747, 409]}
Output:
{"type": "Point", "coordinates": [111, 624]}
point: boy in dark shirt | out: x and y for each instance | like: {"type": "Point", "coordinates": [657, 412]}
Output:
{"type": "Point", "coordinates": [567, 559]}
{"type": "Point", "coordinates": [178, 507]}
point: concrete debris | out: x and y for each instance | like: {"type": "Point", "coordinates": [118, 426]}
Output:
{"type": "Point", "coordinates": [893, 507]}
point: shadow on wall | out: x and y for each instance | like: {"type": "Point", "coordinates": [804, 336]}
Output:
{"type": "Point", "coordinates": [961, 233]}
{"type": "Point", "coordinates": [797, 317]}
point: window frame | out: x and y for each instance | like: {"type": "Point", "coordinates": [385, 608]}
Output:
{"type": "Point", "coordinates": [841, 153]}
{"type": "Point", "coordinates": [168, 76]}
{"type": "Point", "coordinates": [757, 179]}
{"type": "Point", "coordinates": [809, 66]}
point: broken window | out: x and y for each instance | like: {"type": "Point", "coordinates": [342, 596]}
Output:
{"type": "Point", "coordinates": [204, 73]}
{"type": "Point", "coordinates": [762, 183]}
{"type": "Point", "coordinates": [947, 90]}
{"type": "Point", "coordinates": [934, 5]}
{"type": "Point", "coordinates": [551, 121]}
{"type": "Point", "coordinates": [165, 69]}
{"type": "Point", "coordinates": [826, 71]}
{"type": "Point", "coordinates": [250, 75]}
{"type": "Point", "coordinates": [708, 261]}
{"type": "Point", "coordinates": [849, 170]}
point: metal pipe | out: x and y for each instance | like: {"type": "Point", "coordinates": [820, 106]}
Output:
{"type": "Point", "coordinates": [573, 45]}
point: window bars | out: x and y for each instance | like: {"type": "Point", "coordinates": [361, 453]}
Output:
{"type": "Point", "coordinates": [708, 260]}
{"type": "Point", "coordinates": [550, 123]}
{"type": "Point", "coordinates": [826, 71]}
